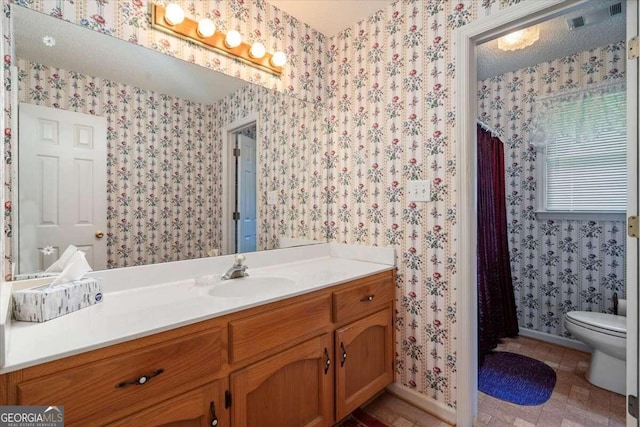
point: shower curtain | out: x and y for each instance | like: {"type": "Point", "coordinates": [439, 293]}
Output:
{"type": "Point", "coordinates": [496, 301]}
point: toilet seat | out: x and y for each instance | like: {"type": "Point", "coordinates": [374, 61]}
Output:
{"type": "Point", "coordinates": [603, 323]}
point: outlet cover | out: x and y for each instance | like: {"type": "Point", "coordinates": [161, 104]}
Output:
{"type": "Point", "coordinates": [271, 198]}
{"type": "Point", "coordinates": [419, 191]}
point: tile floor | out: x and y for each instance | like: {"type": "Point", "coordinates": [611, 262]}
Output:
{"type": "Point", "coordinates": [399, 413]}
{"type": "Point", "coordinates": [574, 402]}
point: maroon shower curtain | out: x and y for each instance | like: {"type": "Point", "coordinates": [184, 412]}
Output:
{"type": "Point", "coordinates": [496, 301]}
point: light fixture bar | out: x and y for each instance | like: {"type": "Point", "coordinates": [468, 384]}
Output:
{"type": "Point", "coordinates": [188, 30]}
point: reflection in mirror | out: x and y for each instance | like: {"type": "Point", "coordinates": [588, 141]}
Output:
{"type": "Point", "coordinates": [128, 154]}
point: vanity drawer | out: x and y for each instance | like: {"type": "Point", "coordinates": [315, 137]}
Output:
{"type": "Point", "coordinates": [361, 299]}
{"type": "Point", "coordinates": [257, 334]}
{"type": "Point", "coordinates": [108, 387]}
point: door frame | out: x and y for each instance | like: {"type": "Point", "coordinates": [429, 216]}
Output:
{"type": "Point", "coordinates": [496, 25]}
{"type": "Point", "coordinates": [228, 179]}
{"type": "Point", "coordinates": [15, 160]}
{"type": "Point", "coordinates": [633, 208]}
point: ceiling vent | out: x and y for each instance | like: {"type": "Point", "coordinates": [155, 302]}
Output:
{"type": "Point", "coordinates": [615, 9]}
{"type": "Point", "coordinates": [575, 22]}
{"type": "Point", "coordinates": [594, 16]}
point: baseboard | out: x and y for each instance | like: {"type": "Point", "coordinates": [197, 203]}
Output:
{"type": "Point", "coordinates": [423, 402]}
{"type": "Point", "coordinates": [554, 339]}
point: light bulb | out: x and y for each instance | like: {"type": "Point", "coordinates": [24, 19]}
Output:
{"type": "Point", "coordinates": [514, 37]}
{"type": "Point", "coordinates": [278, 59]}
{"type": "Point", "coordinates": [233, 39]}
{"type": "Point", "coordinates": [257, 50]}
{"type": "Point", "coordinates": [174, 14]}
{"type": "Point", "coordinates": [519, 39]}
{"type": "Point", "coordinates": [206, 27]}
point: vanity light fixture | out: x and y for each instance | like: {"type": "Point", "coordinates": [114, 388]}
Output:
{"type": "Point", "coordinates": [278, 59]}
{"type": "Point", "coordinates": [174, 14]}
{"type": "Point", "coordinates": [257, 50]}
{"type": "Point", "coordinates": [206, 28]}
{"type": "Point", "coordinates": [232, 39]}
{"type": "Point", "coordinates": [171, 20]}
{"type": "Point", "coordinates": [519, 39]}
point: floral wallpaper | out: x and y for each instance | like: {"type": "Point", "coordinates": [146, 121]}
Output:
{"type": "Point", "coordinates": [290, 160]}
{"type": "Point", "coordinates": [557, 265]}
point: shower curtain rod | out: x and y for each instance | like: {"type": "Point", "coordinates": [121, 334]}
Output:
{"type": "Point", "coordinates": [487, 128]}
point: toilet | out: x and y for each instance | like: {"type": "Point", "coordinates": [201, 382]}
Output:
{"type": "Point", "coordinates": [606, 335]}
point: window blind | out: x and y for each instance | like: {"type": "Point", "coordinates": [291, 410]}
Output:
{"type": "Point", "coordinates": [586, 163]}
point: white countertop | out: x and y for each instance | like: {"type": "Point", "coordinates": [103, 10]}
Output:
{"type": "Point", "coordinates": [131, 312]}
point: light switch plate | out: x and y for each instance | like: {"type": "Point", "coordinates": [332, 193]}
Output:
{"type": "Point", "coordinates": [419, 191]}
{"type": "Point", "coordinates": [271, 198]}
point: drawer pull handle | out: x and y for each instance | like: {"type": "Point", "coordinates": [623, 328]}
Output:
{"type": "Point", "coordinates": [327, 361]}
{"type": "Point", "coordinates": [140, 381]}
{"type": "Point", "coordinates": [214, 417]}
{"type": "Point", "coordinates": [344, 354]}
{"type": "Point", "coordinates": [367, 298]}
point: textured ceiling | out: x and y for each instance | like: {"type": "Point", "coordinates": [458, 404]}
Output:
{"type": "Point", "coordinates": [94, 54]}
{"type": "Point", "coordinates": [556, 41]}
{"type": "Point", "coordinates": [330, 16]}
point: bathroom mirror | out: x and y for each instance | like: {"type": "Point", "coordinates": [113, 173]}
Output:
{"type": "Point", "coordinates": [128, 154]}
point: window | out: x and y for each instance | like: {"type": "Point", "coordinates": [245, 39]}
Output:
{"type": "Point", "coordinates": [583, 162]}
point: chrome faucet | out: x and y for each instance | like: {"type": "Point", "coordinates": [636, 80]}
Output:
{"type": "Point", "coordinates": [237, 270]}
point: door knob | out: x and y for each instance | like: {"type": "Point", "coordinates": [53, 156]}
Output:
{"type": "Point", "coordinates": [99, 234]}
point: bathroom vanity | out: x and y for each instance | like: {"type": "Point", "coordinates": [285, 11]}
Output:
{"type": "Point", "coordinates": [306, 354]}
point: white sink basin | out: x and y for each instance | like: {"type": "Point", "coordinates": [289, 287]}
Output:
{"type": "Point", "coordinates": [251, 286]}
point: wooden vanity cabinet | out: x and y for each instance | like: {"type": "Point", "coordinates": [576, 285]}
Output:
{"type": "Point", "coordinates": [305, 361]}
{"type": "Point", "coordinates": [291, 388]}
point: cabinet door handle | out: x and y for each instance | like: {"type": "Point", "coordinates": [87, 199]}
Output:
{"type": "Point", "coordinates": [214, 417]}
{"type": "Point", "coordinates": [141, 380]}
{"type": "Point", "coordinates": [367, 298]}
{"type": "Point", "coordinates": [327, 361]}
{"type": "Point", "coordinates": [344, 354]}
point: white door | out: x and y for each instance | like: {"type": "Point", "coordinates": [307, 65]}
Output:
{"type": "Point", "coordinates": [633, 248]}
{"type": "Point", "coordinates": [247, 224]}
{"type": "Point", "coordinates": [62, 179]}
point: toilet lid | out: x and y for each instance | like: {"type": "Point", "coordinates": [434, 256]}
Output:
{"type": "Point", "coordinates": [605, 322]}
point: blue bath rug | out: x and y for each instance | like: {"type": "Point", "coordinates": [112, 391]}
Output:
{"type": "Point", "coordinates": [516, 378]}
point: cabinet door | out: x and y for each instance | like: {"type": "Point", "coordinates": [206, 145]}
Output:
{"type": "Point", "coordinates": [364, 352]}
{"type": "Point", "coordinates": [291, 389]}
{"type": "Point", "coordinates": [202, 407]}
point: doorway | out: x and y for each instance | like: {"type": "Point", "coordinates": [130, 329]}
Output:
{"type": "Point", "coordinates": [240, 186]}
{"type": "Point", "coordinates": [245, 190]}
{"type": "Point", "coordinates": [518, 17]}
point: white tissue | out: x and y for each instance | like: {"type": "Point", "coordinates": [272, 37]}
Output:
{"type": "Point", "coordinates": [76, 267]}
{"type": "Point", "coordinates": [61, 263]}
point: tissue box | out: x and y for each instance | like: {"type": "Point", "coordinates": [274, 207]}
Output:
{"type": "Point", "coordinates": [48, 302]}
